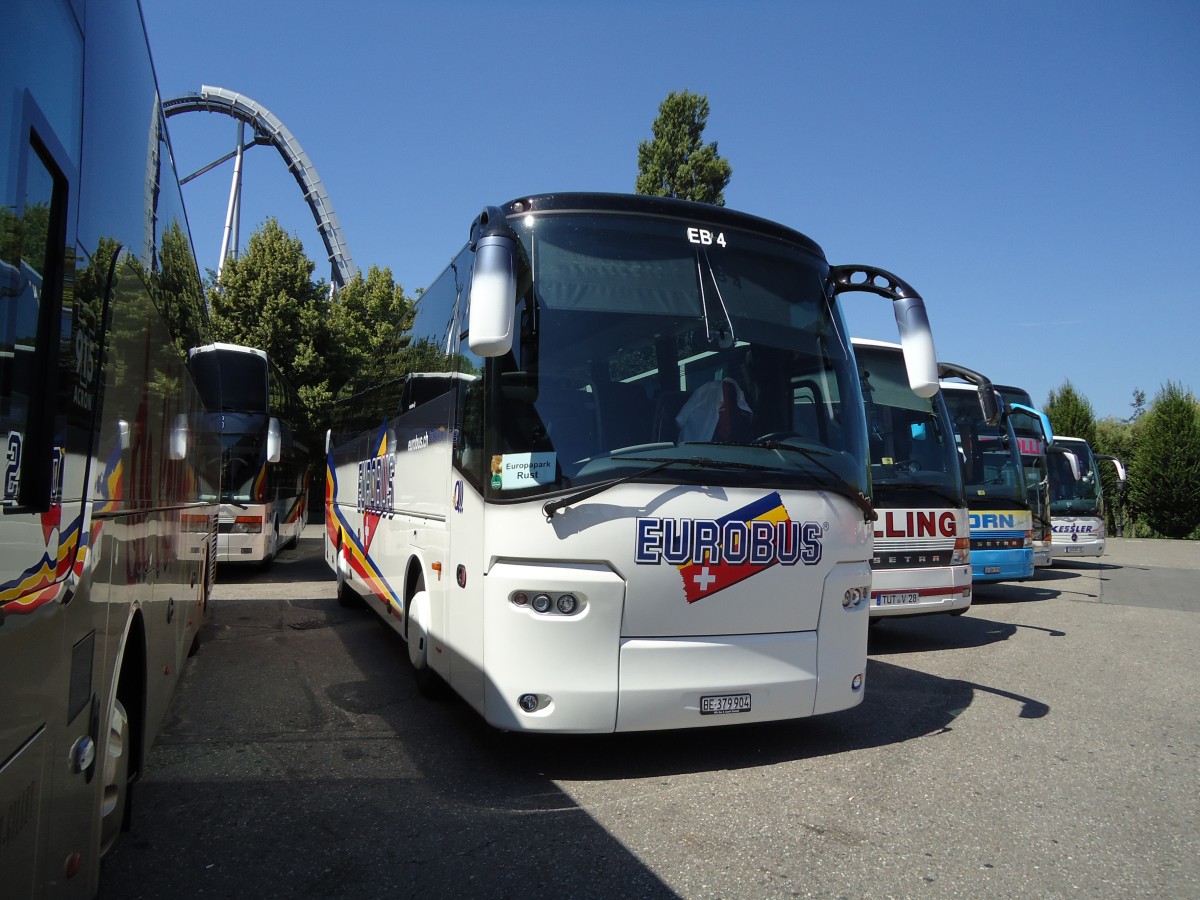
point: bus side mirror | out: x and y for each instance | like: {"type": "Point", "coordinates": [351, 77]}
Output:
{"type": "Point", "coordinates": [988, 407]}
{"type": "Point", "coordinates": [179, 438]}
{"type": "Point", "coordinates": [274, 440]}
{"type": "Point", "coordinates": [1072, 463]}
{"type": "Point", "coordinates": [1117, 464]}
{"type": "Point", "coordinates": [493, 300]}
{"type": "Point", "coordinates": [916, 339]}
{"type": "Point", "coordinates": [328, 441]}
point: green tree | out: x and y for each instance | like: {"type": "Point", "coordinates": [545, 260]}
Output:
{"type": "Point", "coordinates": [676, 163]}
{"type": "Point", "coordinates": [266, 298]}
{"type": "Point", "coordinates": [1071, 414]}
{"type": "Point", "coordinates": [1115, 438]}
{"type": "Point", "coordinates": [371, 318]}
{"type": "Point", "coordinates": [1164, 484]}
{"type": "Point", "coordinates": [1138, 404]}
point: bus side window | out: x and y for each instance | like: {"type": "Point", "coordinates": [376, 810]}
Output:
{"type": "Point", "coordinates": [31, 271]}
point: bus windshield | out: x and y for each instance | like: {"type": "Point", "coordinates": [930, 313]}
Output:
{"type": "Point", "coordinates": [911, 453]}
{"type": "Point", "coordinates": [991, 465]}
{"type": "Point", "coordinates": [231, 381]}
{"type": "Point", "coordinates": [1071, 496]}
{"type": "Point", "coordinates": [643, 339]}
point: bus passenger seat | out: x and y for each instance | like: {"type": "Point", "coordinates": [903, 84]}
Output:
{"type": "Point", "coordinates": [626, 414]}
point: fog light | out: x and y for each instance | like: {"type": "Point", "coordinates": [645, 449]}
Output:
{"type": "Point", "coordinates": [855, 596]}
{"type": "Point", "coordinates": [528, 702]}
{"type": "Point", "coordinates": [541, 603]}
{"type": "Point", "coordinates": [567, 604]}
{"type": "Point", "coordinates": [856, 682]}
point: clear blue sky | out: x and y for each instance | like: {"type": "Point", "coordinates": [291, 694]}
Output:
{"type": "Point", "coordinates": [1031, 167]}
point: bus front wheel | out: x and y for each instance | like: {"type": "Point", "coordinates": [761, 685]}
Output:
{"type": "Point", "coordinates": [115, 768]}
{"type": "Point", "coordinates": [429, 683]}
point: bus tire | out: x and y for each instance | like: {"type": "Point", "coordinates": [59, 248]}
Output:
{"type": "Point", "coordinates": [114, 769]}
{"type": "Point", "coordinates": [429, 683]}
{"type": "Point", "coordinates": [347, 597]}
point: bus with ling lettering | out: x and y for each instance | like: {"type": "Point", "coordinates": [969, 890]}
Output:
{"type": "Point", "coordinates": [999, 506]}
{"type": "Point", "coordinates": [636, 496]}
{"type": "Point", "coordinates": [106, 547]}
{"type": "Point", "coordinates": [1077, 498]}
{"type": "Point", "coordinates": [922, 550]}
{"type": "Point", "coordinates": [251, 413]}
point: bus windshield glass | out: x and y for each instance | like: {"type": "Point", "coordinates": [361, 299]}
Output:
{"type": "Point", "coordinates": [911, 453]}
{"type": "Point", "coordinates": [645, 339]}
{"type": "Point", "coordinates": [231, 380]}
{"type": "Point", "coordinates": [991, 465]}
{"type": "Point", "coordinates": [1070, 496]}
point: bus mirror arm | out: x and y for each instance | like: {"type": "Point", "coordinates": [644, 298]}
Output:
{"type": "Point", "coordinates": [916, 337]}
{"type": "Point", "coordinates": [988, 405]}
{"type": "Point", "coordinates": [1117, 464]}
{"type": "Point", "coordinates": [1047, 431]}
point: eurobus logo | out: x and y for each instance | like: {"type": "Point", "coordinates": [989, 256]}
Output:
{"type": "Point", "coordinates": [713, 554]}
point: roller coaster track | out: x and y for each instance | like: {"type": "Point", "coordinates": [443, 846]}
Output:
{"type": "Point", "coordinates": [269, 129]}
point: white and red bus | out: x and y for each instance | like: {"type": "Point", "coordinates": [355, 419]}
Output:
{"type": "Point", "coordinates": [628, 488]}
{"type": "Point", "coordinates": [922, 559]}
{"type": "Point", "coordinates": [251, 413]}
{"type": "Point", "coordinates": [106, 550]}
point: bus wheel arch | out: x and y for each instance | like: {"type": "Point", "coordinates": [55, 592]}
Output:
{"type": "Point", "coordinates": [346, 595]}
{"type": "Point", "coordinates": [123, 732]}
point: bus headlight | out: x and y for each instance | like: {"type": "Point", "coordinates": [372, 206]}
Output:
{"type": "Point", "coordinates": [545, 602]}
{"type": "Point", "coordinates": [567, 604]}
{"type": "Point", "coordinates": [854, 596]}
{"type": "Point", "coordinates": [247, 525]}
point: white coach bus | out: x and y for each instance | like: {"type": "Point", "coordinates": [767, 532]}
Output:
{"type": "Point", "coordinates": [1077, 498]}
{"type": "Point", "coordinates": [251, 412]}
{"type": "Point", "coordinates": [628, 488]}
{"type": "Point", "coordinates": [922, 560]}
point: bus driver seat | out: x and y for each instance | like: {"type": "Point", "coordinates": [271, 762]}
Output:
{"type": "Point", "coordinates": [716, 411]}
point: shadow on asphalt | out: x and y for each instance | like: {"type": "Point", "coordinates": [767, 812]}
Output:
{"type": "Point", "coordinates": [900, 704]}
{"type": "Point", "coordinates": [330, 775]}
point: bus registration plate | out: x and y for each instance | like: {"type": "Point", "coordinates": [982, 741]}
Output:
{"type": "Point", "coordinates": [897, 599]}
{"type": "Point", "coordinates": [719, 704]}
{"type": "Point", "coordinates": [991, 570]}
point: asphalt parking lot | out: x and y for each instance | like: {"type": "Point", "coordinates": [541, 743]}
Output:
{"type": "Point", "coordinates": [1046, 743]}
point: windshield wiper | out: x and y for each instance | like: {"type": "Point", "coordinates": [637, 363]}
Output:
{"type": "Point", "coordinates": [847, 490]}
{"type": "Point", "coordinates": [550, 507]}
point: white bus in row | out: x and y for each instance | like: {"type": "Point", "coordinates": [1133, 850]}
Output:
{"type": "Point", "coordinates": [250, 415]}
{"type": "Point", "coordinates": [922, 550]}
{"type": "Point", "coordinates": [636, 494]}
{"type": "Point", "coordinates": [1077, 498]}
